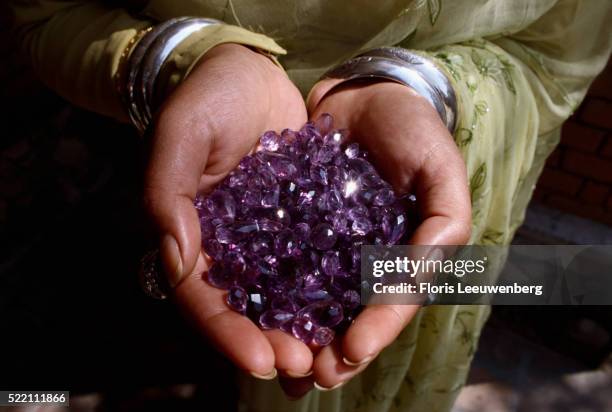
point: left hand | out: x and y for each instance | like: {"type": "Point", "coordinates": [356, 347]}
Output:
{"type": "Point", "coordinates": [415, 153]}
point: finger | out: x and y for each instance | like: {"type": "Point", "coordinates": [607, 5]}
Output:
{"type": "Point", "coordinates": [292, 357]}
{"type": "Point", "coordinates": [227, 330]}
{"type": "Point", "coordinates": [443, 198]}
{"type": "Point", "coordinates": [375, 328]}
{"type": "Point", "coordinates": [329, 371]}
{"type": "Point", "coordinates": [177, 158]}
{"type": "Point", "coordinates": [295, 388]}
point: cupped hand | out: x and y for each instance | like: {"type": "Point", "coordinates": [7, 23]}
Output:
{"type": "Point", "coordinates": [413, 150]}
{"type": "Point", "coordinates": [204, 128]}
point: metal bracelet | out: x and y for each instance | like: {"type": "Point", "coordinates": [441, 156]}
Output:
{"type": "Point", "coordinates": [402, 66]}
{"type": "Point", "coordinates": [147, 60]}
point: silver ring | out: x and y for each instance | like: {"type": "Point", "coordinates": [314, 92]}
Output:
{"type": "Point", "coordinates": [151, 275]}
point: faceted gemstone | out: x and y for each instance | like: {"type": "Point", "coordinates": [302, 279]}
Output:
{"type": "Point", "coordinates": [237, 298]}
{"type": "Point", "coordinates": [352, 151]}
{"type": "Point", "coordinates": [219, 276]}
{"type": "Point", "coordinates": [357, 212]}
{"type": "Point", "coordinates": [303, 329]}
{"type": "Point", "coordinates": [221, 204]}
{"type": "Point", "coordinates": [313, 294]}
{"type": "Point", "coordinates": [323, 336]}
{"type": "Point", "coordinates": [198, 203]}
{"type": "Point", "coordinates": [324, 313]}
{"type": "Point", "coordinates": [234, 262]}
{"type": "Point", "coordinates": [302, 231]}
{"type": "Point", "coordinates": [262, 244]}
{"type": "Point", "coordinates": [251, 198]}
{"type": "Point", "coordinates": [360, 165]}
{"type": "Point", "coordinates": [269, 225]}
{"type": "Point", "coordinates": [244, 228]}
{"type": "Point", "coordinates": [225, 235]}
{"type": "Point", "coordinates": [285, 303]}
{"type": "Point", "coordinates": [208, 228]}
{"type": "Point", "coordinates": [275, 318]}
{"type": "Point", "coordinates": [305, 198]}
{"type": "Point", "coordinates": [270, 141]}
{"type": "Point", "coordinates": [285, 229]}
{"type": "Point", "coordinates": [256, 298]}
{"type": "Point", "coordinates": [289, 136]}
{"type": "Point", "coordinates": [255, 181]}
{"type": "Point", "coordinates": [323, 237]}
{"type": "Point", "coordinates": [355, 255]}
{"type": "Point", "coordinates": [366, 196]}
{"type": "Point", "coordinates": [266, 268]}
{"type": "Point", "coordinates": [361, 225]}
{"type": "Point", "coordinates": [393, 228]}
{"type": "Point", "coordinates": [318, 174]}
{"type": "Point", "coordinates": [330, 263]}
{"type": "Point", "coordinates": [331, 200]}
{"type": "Point", "coordinates": [335, 137]}
{"type": "Point", "coordinates": [285, 243]}
{"type": "Point", "coordinates": [269, 197]}
{"type": "Point", "coordinates": [213, 248]}
{"type": "Point", "coordinates": [325, 154]}
{"type": "Point", "coordinates": [281, 165]}
{"type": "Point", "coordinates": [351, 186]}
{"type": "Point", "coordinates": [289, 189]}
{"type": "Point", "coordinates": [313, 281]}
{"type": "Point", "coordinates": [384, 197]}
{"type": "Point", "coordinates": [282, 216]}
{"type": "Point", "coordinates": [237, 179]}
{"type": "Point", "coordinates": [351, 299]}
{"type": "Point", "coordinates": [247, 162]}
{"type": "Point", "coordinates": [371, 180]}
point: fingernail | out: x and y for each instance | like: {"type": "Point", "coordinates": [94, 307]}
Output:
{"type": "Point", "coordinates": [267, 377]}
{"type": "Point", "coordinates": [325, 389]}
{"type": "Point", "coordinates": [361, 362]}
{"type": "Point", "coordinates": [172, 259]}
{"type": "Point", "coordinates": [293, 374]}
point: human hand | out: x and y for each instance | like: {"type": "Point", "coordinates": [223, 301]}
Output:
{"type": "Point", "coordinates": [414, 152]}
{"type": "Point", "coordinates": [208, 124]}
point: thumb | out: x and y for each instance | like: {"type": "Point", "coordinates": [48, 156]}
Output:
{"type": "Point", "coordinates": [172, 179]}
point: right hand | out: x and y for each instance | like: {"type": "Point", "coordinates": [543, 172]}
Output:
{"type": "Point", "coordinates": [210, 122]}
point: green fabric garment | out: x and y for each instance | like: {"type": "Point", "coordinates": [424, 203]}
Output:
{"type": "Point", "coordinates": [519, 69]}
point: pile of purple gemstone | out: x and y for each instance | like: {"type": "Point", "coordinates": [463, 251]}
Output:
{"type": "Point", "coordinates": [285, 230]}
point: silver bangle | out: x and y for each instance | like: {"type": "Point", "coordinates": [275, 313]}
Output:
{"type": "Point", "coordinates": [146, 61]}
{"type": "Point", "coordinates": [402, 66]}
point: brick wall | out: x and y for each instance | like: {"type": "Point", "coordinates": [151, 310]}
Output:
{"type": "Point", "coordinates": [578, 175]}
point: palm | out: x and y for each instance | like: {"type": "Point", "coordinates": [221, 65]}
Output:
{"type": "Point", "coordinates": [206, 126]}
{"type": "Point", "coordinates": [415, 153]}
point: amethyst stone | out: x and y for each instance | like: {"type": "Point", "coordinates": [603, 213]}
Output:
{"type": "Point", "coordinates": [219, 276]}
{"type": "Point", "coordinates": [323, 236]}
{"type": "Point", "coordinates": [237, 299]}
{"type": "Point", "coordinates": [303, 329]}
{"type": "Point", "coordinates": [275, 319]}
{"type": "Point", "coordinates": [284, 230]}
{"type": "Point", "coordinates": [325, 313]}
{"type": "Point", "coordinates": [323, 336]}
